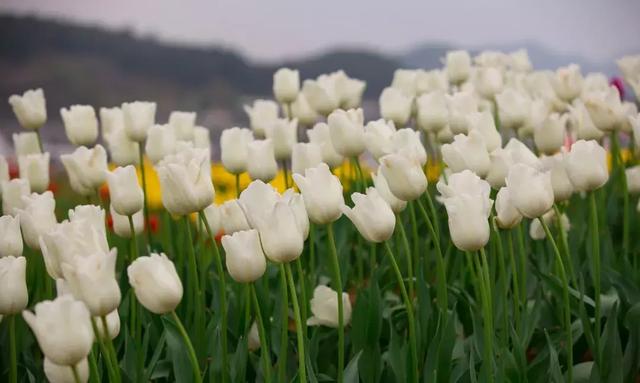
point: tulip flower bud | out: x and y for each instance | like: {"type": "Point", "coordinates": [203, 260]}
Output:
{"type": "Point", "coordinates": [371, 215]}
{"type": "Point", "coordinates": [257, 200]}
{"type": "Point", "coordinates": [182, 124]}
{"type": "Point", "coordinates": [377, 137]}
{"type": "Point", "coordinates": [536, 231]}
{"type": "Point", "coordinates": [321, 95]}
{"type": "Point", "coordinates": [562, 187]}
{"type": "Point", "coordinates": [466, 198]}
{"type": "Point", "coordinates": [56, 373]}
{"type": "Point", "coordinates": [433, 113]}
{"type": "Point", "coordinates": [405, 81]}
{"type": "Point", "coordinates": [507, 216]}
{"type": "Point", "coordinates": [80, 124]}
{"type": "Point", "coordinates": [467, 152]}
{"type": "Point", "coordinates": [35, 169]}
{"type": "Point", "coordinates": [581, 122]}
{"type": "Point", "coordinates": [111, 120]}
{"type": "Point", "coordinates": [123, 150]}
{"type": "Point", "coordinates": [284, 134]}
{"type": "Point", "coordinates": [30, 108]}
{"type": "Point", "coordinates": [11, 241]}
{"type": "Point", "coordinates": [567, 82]}
{"type": "Point", "coordinates": [633, 181]}
{"type": "Point", "coordinates": [321, 135]}
{"type": "Point", "coordinates": [121, 225]}
{"type": "Point", "coordinates": [586, 165]}
{"type": "Point", "coordinates": [233, 217]}
{"type": "Point", "coordinates": [139, 116]}
{"type": "Point", "coordinates": [324, 307]}
{"type": "Point", "coordinates": [113, 325]}
{"type": "Point", "coordinates": [91, 215]}
{"type": "Point", "coordinates": [349, 90]}
{"type": "Point", "coordinates": [186, 183]}
{"type": "Point", "coordinates": [161, 142]}
{"type": "Point", "coordinates": [408, 142]}
{"type": "Point", "coordinates": [282, 237]}
{"type": "Point", "coordinates": [201, 138]}
{"type": "Point", "coordinates": [520, 153]}
{"type": "Point", "coordinates": [13, 286]}
{"type": "Point", "coordinates": [605, 108]}
{"type": "Point", "coordinates": [245, 259]}
{"type": "Point", "coordinates": [404, 176]}
{"type": "Point", "coordinates": [322, 194]}
{"type": "Point", "coordinates": [126, 194]}
{"type": "Point", "coordinates": [86, 168]}
{"type": "Point", "coordinates": [233, 149]}
{"type": "Point", "coordinates": [304, 156]}
{"type": "Point", "coordinates": [156, 283]}
{"type": "Point", "coordinates": [460, 105]}
{"type": "Point", "coordinates": [26, 143]}
{"type": "Point", "coordinates": [261, 115]}
{"type": "Point", "coordinates": [261, 160]}
{"type": "Point", "coordinates": [549, 135]}
{"type": "Point", "coordinates": [72, 339]}
{"type": "Point", "coordinates": [37, 217]}
{"type": "Point", "coordinates": [531, 190]}
{"type": "Point", "coordinates": [302, 111]}
{"type": "Point", "coordinates": [488, 81]}
{"type": "Point", "coordinates": [513, 108]}
{"type": "Point", "coordinates": [286, 85]}
{"type": "Point", "coordinates": [483, 123]}
{"type": "Point", "coordinates": [92, 279]}
{"type": "Point", "coordinates": [395, 106]}
{"type": "Point", "coordinates": [347, 131]}
{"type": "Point", "coordinates": [458, 65]}
{"type": "Point", "coordinates": [381, 185]}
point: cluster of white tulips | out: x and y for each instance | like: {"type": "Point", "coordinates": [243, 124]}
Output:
{"type": "Point", "coordinates": [556, 126]}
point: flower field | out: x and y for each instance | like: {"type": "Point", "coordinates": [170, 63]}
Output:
{"type": "Point", "coordinates": [481, 230]}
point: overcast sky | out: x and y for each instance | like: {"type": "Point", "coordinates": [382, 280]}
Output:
{"type": "Point", "coordinates": [275, 29]}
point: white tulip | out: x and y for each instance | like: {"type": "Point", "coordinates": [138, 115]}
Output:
{"type": "Point", "coordinates": [630, 68]}
{"type": "Point", "coordinates": [185, 178]}
{"type": "Point", "coordinates": [80, 124]}
{"type": "Point", "coordinates": [322, 194]}
{"type": "Point", "coordinates": [404, 175]}
{"type": "Point", "coordinates": [234, 150]}
{"type": "Point", "coordinates": [302, 111]}
{"type": "Point", "coordinates": [633, 181]}
{"type": "Point", "coordinates": [409, 143]}
{"type": "Point", "coordinates": [445, 135]}
{"type": "Point", "coordinates": [530, 189]}
{"type": "Point", "coordinates": [536, 231]}
{"type": "Point", "coordinates": [483, 122]}
{"type": "Point", "coordinates": [56, 373]}
{"type": "Point", "coordinates": [348, 90]}
{"type": "Point", "coordinates": [321, 135]}
{"type": "Point", "coordinates": [605, 108]}
{"type": "Point", "coordinates": [520, 153]}
{"type": "Point", "coordinates": [12, 195]}
{"type": "Point", "coordinates": [491, 59]}
{"type": "Point", "coordinates": [562, 187]}
{"type": "Point", "coordinates": [513, 108]}
{"type": "Point", "coordinates": [11, 240]}
{"type": "Point", "coordinates": [582, 123]}
{"type": "Point", "coordinates": [567, 82]}
{"type": "Point", "coordinates": [13, 285]}
{"type": "Point", "coordinates": [460, 105]}
{"type": "Point", "coordinates": [629, 109]}
{"type": "Point", "coordinates": [549, 135]}
{"type": "Point", "coordinates": [161, 142]}
{"type": "Point", "coordinates": [433, 113]}
{"type": "Point", "coordinates": [381, 185]}
{"type": "Point", "coordinates": [396, 106]}
{"type": "Point", "coordinates": [213, 215]}
{"type": "Point", "coordinates": [286, 84]}
{"type": "Point", "coordinates": [26, 143]}
{"type": "Point", "coordinates": [35, 169]}
{"type": "Point", "coordinates": [305, 155]}
{"type": "Point", "coordinates": [634, 121]}
{"type": "Point", "coordinates": [507, 216]}
{"type": "Point", "coordinates": [321, 94]}
{"type": "Point", "coordinates": [245, 260]}
{"type": "Point", "coordinates": [92, 215]}
{"type": "Point", "coordinates": [261, 115]}
{"type": "Point", "coordinates": [261, 160]}
{"type": "Point", "coordinates": [405, 81]}
{"type": "Point", "coordinates": [121, 225]}
{"type": "Point", "coordinates": [257, 201]}
{"type": "Point", "coordinates": [324, 307]}
{"type": "Point", "coordinates": [377, 137]}
{"type": "Point", "coordinates": [201, 138]}
{"type": "Point", "coordinates": [123, 150]}
{"type": "Point", "coordinates": [156, 283]}
{"type": "Point", "coordinates": [111, 120]}
{"type": "Point", "coordinates": [467, 152]}
{"type": "Point", "coordinates": [126, 194]}
{"type": "Point", "coordinates": [347, 131]}
{"type": "Point", "coordinates": [296, 202]}
{"type": "Point", "coordinates": [458, 65]}
{"type": "Point", "coordinates": [233, 217]}
{"type": "Point", "coordinates": [183, 124]}
{"type": "Point", "coordinates": [253, 339]}
{"type": "Point", "coordinates": [488, 81]}
{"type": "Point", "coordinates": [37, 217]}
{"type": "Point", "coordinates": [86, 169]}
{"type": "Point", "coordinates": [519, 61]}
{"type": "Point", "coordinates": [500, 162]}
{"type": "Point", "coordinates": [371, 215]}
{"type": "Point", "coordinates": [284, 134]}
{"type": "Point", "coordinates": [30, 108]}
{"type": "Point", "coordinates": [63, 329]}
{"type": "Point", "coordinates": [431, 81]}
{"type": "Point", "coordinates": [586, 165]}
{"type": "Point", "coordinates": [281, 236]}
{"type": "Point", "coordinates": [139, 116]}
{"type": "Point", "coordinates": [4, 172]}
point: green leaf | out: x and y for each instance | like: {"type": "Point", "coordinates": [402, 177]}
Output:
{"type": "Point", "coordinates": [397, 355]}
{"type": "Point", "coordinates": [612, 370]}
{"type": "Point", "coordinates": [159, 347]}
{"type": "Point", "coordinates": [351, 372]}
{"type": "Point", "coordinates": [555, 373]}
{"type": "Point", "coordinates": [178, 352]}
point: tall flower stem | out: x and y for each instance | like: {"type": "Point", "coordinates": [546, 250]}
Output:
{"type": "Point", "coordinates": [13, 364]}
{"type": "Point", "coordinates": [337, 285]}
{"type": "Point", "coordinates": [302, 368]}
{"type": "Point", "coordinates": [285, 172]}
{"type": "Point", "coordinates": [222, 292]}
{"type": "Point", "coordinates": [502, 270]}
{"type": "Point", "coordinates": [39, 137]}
{"type": "Point", "coordinates": [565, 298]}
{"type": "Point", "coordinates": [74, 371]}
{"type": "Point", "coordinates": [408, 253]}
{"type": "Point", "coordinates": [409, 306]}
{"type": "Point", "coordinates": [312, 253]}
{"type": "Point", "coordinates": [522, 272]}
{"type": "Point", "coordinates": [144, 189]}
{"type": "Point", "coordinates": [134, 314]}
{"type": "Point", "coordinates": [93, 367]}
{"type": "Point", "coordinates": [440, 266]}
{"type": "Point", "coordinates": [595, 274]}
{"type": "Point", "coordinates": [517, 305]}
{"type": "Point", "coordinates": [484, 288]}
{"type": "Point", "coordinates": [266, 351]}
{"type": "Point", "coordinates": [303, 295]}
{"type": "Point", "coordinates": [284, 333]}
{"type": "Point", "coordinates": [187, 342]}
{"type": "Point", "coordinates": [109, 343]}
{"type": "Point", "coordinates": [238, 191]}
{"type": "Point", "coordinates": [618, 168]}
{"type": "Point", "coordinates": [112, 368]}
{"type": "Point", "coordinates": [360, 176]}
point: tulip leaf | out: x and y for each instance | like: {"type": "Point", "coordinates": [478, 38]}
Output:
{"type": "Point", "coordinates": [612, 369]}
{"type": "Point", "coordinates": [555, 373]}
{"type": "Point", "coordinates": [177, 352]}
{"type": "Point", "coordinates": [351, 374]}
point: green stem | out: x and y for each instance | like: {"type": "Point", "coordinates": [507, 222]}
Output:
{"type": "Point", "coordinates": [522, 272]}
{"type": "Point", "coordinates": [303, 295]}
{"type": "Point", "coordinates": [434, 213]}
{"type": "Point", "coordinates": [337, 285]}
{"type": "Point", "coordinates": [410, 317]}
{"type": "Point", "coordinates": [222, 292]}
{"type": "Point", "coordinates": [266, 353]}
{"type": "Point", "coordinates": [485, 293]}
{"type": "Point", "coordinates": [187, 342]}
{"type": "Point", "coordinates": [105, 353]}
{"type": "Point", "coordinates": [407, 250]}
{"type": "Point", "coordinates": [74, 371]}
{"type": "Point", "coordinates": [110, 348]}
{"type": "Point", "coordinates": [144, 189]}
{"type": "Point", "coordinates": [565, 298]}
{"type": "Point", "coordinates": [284, 333]}
{"type": "Point", "coordinates": [93, 368]}
{"type": "Point", "coordinates": [13, 367]}
{"type": "Point", "coordinates": [286, 174]}
{"type": "Point", "coordinates": [595, 255]}
{"type": "Point", "coordinates": [312, 253]}
{"type": "Point", "coordinates": [502, 270]}
{"type": "Point", "coordinates": [40, 145]}
{"type": "Point", "coordinates": [414, 228]}
{"type": "Point", "coordinates": [440, 266]}
{"type": "Point", "coordinates": [517, 305]}
{"type": "Point", "coordinates": [238, 191]}
{"type": "Point", "coordinates": [196, 293]}
{"type": "Point", "coordinates": [302, 368]}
